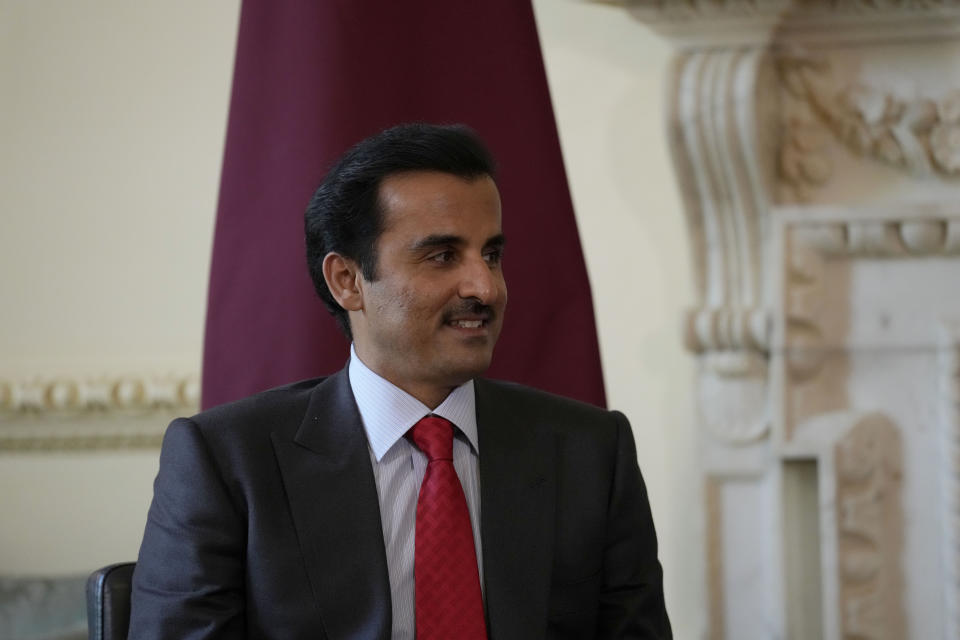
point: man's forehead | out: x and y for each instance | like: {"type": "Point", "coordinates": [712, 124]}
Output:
{"type": "Point", "coordinates": [429, 184]}
{"type": "Point", "coordinates": [436, 203]}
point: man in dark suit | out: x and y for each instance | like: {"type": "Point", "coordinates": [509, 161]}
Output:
{"type": "Point", "coordinates": [305, 512]}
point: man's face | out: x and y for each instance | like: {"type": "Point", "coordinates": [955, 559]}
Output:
{"type": "Point", "coordinates": [430, 319]}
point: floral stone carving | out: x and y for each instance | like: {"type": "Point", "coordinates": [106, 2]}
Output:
{"type": "Point", "coordinates": [920, 135]}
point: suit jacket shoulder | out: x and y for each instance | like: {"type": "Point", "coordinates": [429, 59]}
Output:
{"type": "Point", "coordinates": [568, 420]}
{"type": "Point", "coordinates": [265, 523]}
{"type": "Point", "coordinates": [524, 398]}
{"type": "Point", "coordinates": [260, 412]}
{"type": "Point", "coordinates": [568, 540]}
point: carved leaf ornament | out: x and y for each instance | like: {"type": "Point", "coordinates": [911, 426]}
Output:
{"type": "Point", "coordinates": [920, 135]}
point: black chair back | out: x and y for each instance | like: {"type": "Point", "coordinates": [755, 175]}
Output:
{"type": "Point", "coordinates": [108, 601]}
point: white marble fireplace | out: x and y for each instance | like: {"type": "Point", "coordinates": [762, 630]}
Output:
{"type": "Point", "coordinates": [817, 148]}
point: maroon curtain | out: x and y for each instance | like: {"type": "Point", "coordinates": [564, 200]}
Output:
{"type": "Point", "coordinates": [313, 77]}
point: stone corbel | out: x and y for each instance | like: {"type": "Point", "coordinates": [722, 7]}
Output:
{"type": "Point", "coordinates": [721, 127]}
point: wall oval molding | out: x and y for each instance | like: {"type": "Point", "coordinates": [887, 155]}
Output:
{"type": "Point", "coordinates": [97, 395]}
{"type": "Point", "coordinates": [118, 411]}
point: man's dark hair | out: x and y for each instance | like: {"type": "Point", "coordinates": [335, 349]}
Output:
{"type": "Point", "coordinates": [345, 214]}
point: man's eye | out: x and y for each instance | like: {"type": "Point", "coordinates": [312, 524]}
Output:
{"type": "Point", "coordinates": [494, 256]}
{"type": "Point", "coordinates": [441, 257]}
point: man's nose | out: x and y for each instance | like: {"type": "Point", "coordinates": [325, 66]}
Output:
{"type": "Point", "coordinates": [479, 280]}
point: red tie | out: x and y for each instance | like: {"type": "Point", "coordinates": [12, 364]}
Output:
{"type": "Point", "coordinates": [448, 599]}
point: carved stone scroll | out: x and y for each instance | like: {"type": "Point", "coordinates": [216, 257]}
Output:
{"type": "Point", "coordinates": [719, 98]}
{"type": "Point", "coordinates": [721, 104]}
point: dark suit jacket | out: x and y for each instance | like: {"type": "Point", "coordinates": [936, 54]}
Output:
{"type": "Point", "coordinates": [265, 522]}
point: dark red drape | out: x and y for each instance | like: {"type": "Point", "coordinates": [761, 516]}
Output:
{"type": "Point", "coordinates": [311, 78]}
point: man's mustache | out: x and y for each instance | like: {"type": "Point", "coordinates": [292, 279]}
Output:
{"type": "Point", "coordinates": [471, 307]}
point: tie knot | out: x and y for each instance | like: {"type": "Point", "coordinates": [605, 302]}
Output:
{"type": "Point", "coordinates": [434, 436]}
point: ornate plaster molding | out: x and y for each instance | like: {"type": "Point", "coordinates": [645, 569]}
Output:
{"type": "Point", "coordinates": [727, 329]}
{"type": "Point", "coordinates": [885, 238]}
{"type": "Point", "coordinates": [950, 472]}
{"type": "Point", "coordinates": [812, 365]}
{"type": "Point", "coordinates": [62, 395]}
{"type": "Point", "coordinates": [805, 286]}
{"type": "Point", "coordinates": [723, 140]}
{"type": "Point", "coordinates": [812, 243]}
{"type": "Point", "coordinates": [869, 469]}
{"type": "Point", "coordinates": [700, 23]}
{"type": "Point", "coordinates": [80, 440]}
{"type": "Point", "coordinates": [59, 413]}
{"type": "Point", "coordinates": [819, 247]}
{"type": "Point", "coordinates": [918, 135]}
{"type": "Point", "coordinates": [695, 9]}
{"type": "Point", "coordinates": [721, 150]}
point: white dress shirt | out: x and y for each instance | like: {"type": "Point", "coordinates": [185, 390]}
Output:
{"type": "Point", "coordinates": [388, 412]}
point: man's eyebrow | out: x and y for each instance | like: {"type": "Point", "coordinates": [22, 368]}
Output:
{"type": "Point", "coordinates": [436, 240]}
{"type": "Point", "coordinates": [498, 240]}
{"type": "Point", "coordinates": [443, 240]}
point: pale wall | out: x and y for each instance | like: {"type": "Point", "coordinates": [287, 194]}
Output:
{"type": "Point", "coordinates": [112, 133]}
{"type": "Point", "coordinates": [606, 73]}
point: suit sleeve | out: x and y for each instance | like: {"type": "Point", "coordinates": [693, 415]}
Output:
{"type": "Point", "coordinates": [189, 579]}
{"type": "Point", "coordinates": [631, 601]}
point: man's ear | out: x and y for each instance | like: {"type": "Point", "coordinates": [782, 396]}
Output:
{"type": "Point", "coordinates": [342, 275]}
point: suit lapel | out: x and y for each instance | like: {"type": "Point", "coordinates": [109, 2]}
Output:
{"type": "Point", "coordinates": [517, 489]}
{"type": "Point", "coordinates": [333, 498]}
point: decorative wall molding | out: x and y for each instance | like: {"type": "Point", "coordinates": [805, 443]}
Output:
{"type": "Point", "coordinates": [698, 23]}
{"type": "Point", "coordinates": [72, 439]}
{"type": "Point", "coordinates": [803, 309]}
{"type": "Point", "coordinates": [821, 245]}
{"type": "Point", "coordinates": [805, 162]}
{"type": "Point", "coordinates": [680, 10]}
{"type": "Point", "coordinates": [121, 411]}
{"type": "Point", "coordinates": [869, 470]}
{"type": "Point", "coordinates": [63, 395]}
{"type": "Point", "coordinates": [813, 316]}
{"type": "Point", "coordinates": [698, 9]}
{"type": "Point", "coordinates": [885, 238]}
{"type": "Point", "coordinates": [919, 135]}
{"type": "Point", "coordinates": [950, 472]}
{"type": "Point", "coordinates": [818, 237]}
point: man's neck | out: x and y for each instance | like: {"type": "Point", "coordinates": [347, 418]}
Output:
{"type": "Point", "coordinates": [388, 411]}
{"type": "Point", "coordinates": [430, 395]}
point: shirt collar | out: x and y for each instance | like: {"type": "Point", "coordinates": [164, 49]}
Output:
{"type": "Point", "coordinates": [388, 411]}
